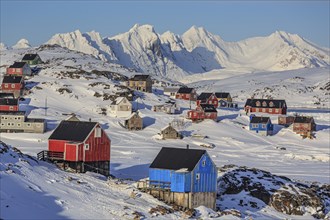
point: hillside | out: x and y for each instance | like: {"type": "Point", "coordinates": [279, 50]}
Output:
{"type": "Point", "coordinates": [74, 82]}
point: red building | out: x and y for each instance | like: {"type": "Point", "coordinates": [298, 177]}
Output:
{"type": "Point", "coordinates": [19, 68]}
{"type": "Point", "coordinates": [186, 94]}
{"type": "Point", "coordinates": [304, 126]}
{"type": "Point", "coordinates": [203, 111]}
{"type": "Point", "coordinates": [13, 84]}
{"type": "Point", "coordinates": [9, 104]}
{"type": "Point", "coordinates": [207, 98]}
{"type": "Point", "coordinates": [270, 106]}
{"type": "Point", "coordinates": [83, 146]}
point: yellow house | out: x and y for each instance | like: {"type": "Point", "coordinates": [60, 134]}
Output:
{"type": "Point", "coordinates": [140, 82]}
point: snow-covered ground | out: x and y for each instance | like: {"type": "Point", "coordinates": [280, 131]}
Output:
{"type": "Point", "coordinates": [304, 160]}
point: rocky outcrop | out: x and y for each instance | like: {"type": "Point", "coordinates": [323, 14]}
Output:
{"type": "Point", "coordinates": [260, 188]}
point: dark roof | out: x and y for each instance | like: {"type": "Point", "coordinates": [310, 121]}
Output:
{"type": "Point", "coordinates": [185, 90]}
{"type": "Point", "coordinates": [29, 56]}
{"type": "Point", "coordinates": [73, 130]}
{"type": "Point", "coordinates": [259, 120]}
{"type": "Point", "coordinates": [12, 79]}
{"type": "Point", "coordinates": [221, 94]}
{"type": "Point", "coordinates": [303, 119]}
{"type": "Point", "coordinates": [177, 158]}
{"type": "Point", "coordinates": [12, 113]}
{"type": "Point", "coordinates": [8, 101]}
{"type": "Point", "coordinates": [41, 120]}
{"type": "Point", "coordinates": [208, 108]}
{"type": "Point", "coordinates": [204, 95]}
{"type": "Point", "coordinates": [277, 103]}
{"type": "Point", "coordinates": [17, 65]}
{"type": "Point", "coordinates": [140, 77]}
{"type": "Point", "coordinates": [6, 95]}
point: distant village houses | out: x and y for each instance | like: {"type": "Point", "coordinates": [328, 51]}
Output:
{"type": "Point", "coordinates": [207, 98]}
{"type": "Point", "coordinates": [270, 106]}
{"type": "Point", "coordinates": [134, 122]}
{"type": "Point", "coordinates": [19, 68]}
{"type": "Point", "coordinates": [169, 108]}
{"type": "Point", "coordinates": [169, 132]}
{"type": "Point", "coordinates": [186, 177]}
{"type": "Point", "coordinates": [304, 126]}
{"type": "Point", "coordinates": [121, 107]}
{"type": "Point", "coordinates": [9, 104]}
{"type": "Point", "coordinates": [261, 125]}
{"type": "Point", "coordinates": [32, 59]}
{"type": "Point", "coordinates": [141, 83]}
{"type": "Point", "coordinates": [186, 94]}
{"type": "Point", "coordinates": [171, 91]}
{"type": "Point", "coordinates": [17, 122]}
{"type": "Point", "coordinates": [13, 84]}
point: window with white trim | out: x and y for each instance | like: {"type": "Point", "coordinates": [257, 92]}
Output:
{"type": "Point", "coordinates": [86, 146]}
{"type": "Point", "coordinates": [254, 125]}
{"type": "Point", "coordinates": [12, 86]}
{"type": "Point", "coordinates": [198, 176]}
{"type": "Point", "coordinates": [6, 85]}
{"type": "Point", "coordinates": [263, 126]}
{"type": "Point", "coordinates": [203, 163]}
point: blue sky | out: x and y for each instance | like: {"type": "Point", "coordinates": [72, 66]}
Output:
{"type": "Point", "coordinates": [37, 21]}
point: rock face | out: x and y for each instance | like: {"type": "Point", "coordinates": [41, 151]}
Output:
{"type": "Point", "coordinates": [258, 188]}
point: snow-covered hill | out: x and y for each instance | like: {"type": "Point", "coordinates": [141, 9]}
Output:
{"type": "Point", "coordinates": [196, 51]}
{"type": "Point", "coordinates": [22, 44]}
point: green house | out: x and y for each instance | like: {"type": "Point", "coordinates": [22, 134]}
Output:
{"type": "Point", "coordinates": [32, 59]}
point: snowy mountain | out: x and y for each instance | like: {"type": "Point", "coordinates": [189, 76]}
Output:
{"type": "Point", "coordinates": [3, 46]}
{"type": "Point", "coordinates": [21, 44]}
{"type": "Point", "coordinates": [196, 51]}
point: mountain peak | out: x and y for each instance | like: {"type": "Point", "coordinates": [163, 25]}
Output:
{"type": "Point", "coordinates": [3, 46]}
{"type": "Point", "coordinates": [22, 43]}
{"type": "Point", "coordinates": [144, 27]}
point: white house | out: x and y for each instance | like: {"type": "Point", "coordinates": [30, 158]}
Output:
{"type": "Point", "coordinates": [170, 91]}
{"type": "Point", "coordinates": [121, 107]}
{"type": "Point", "coordinates": [169, 108]}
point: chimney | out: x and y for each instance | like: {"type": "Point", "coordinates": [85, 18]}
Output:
{"type": "Point", "coordinates": [187, 146]}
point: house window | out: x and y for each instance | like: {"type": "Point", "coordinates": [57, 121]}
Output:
{"type": "Point", "coordinates": [270, 110]}
{"type": "Point", "coordinates": [11, 108]}
{"type": "Point", "coordinates": [203, 163]}
{"type": "Point", "coordinates": [263, 110]}
{"type": "Point", "coordinates": [28, 124]}
{"type": "Point", "coordinates": [264, 104]}
{"type": "Point", "coordinates": [257, 109]}
{"type": "Point", "coordinates": [86, 146]}
{"type": "Point", "coordinates": [276, 110]}
{"type": "Point", "coordinates": [198, 176]}
{"type": "Point", "coordinates": [18, 70]}
{"type": "Point", "coordinates": [2, 124]}
{"type": "Point", "coordinates": [98, 132]}
{"type": "Point", "coordinates": [263, 126]}
{"type": "Point", "coordinates": [254, 125]}
{"type": "Point", "coordinates": [271, 104]}
{"type": "Point", "coordinates": [8, 124]}
{"type": "Point", "coordinates": [19, 125]}
{"type": "Point", "coordinates": [6, 85]}
{"type": "Point", "coordinates": [257, 103]}
{"type": "Point", "coordinates": [12, 86]}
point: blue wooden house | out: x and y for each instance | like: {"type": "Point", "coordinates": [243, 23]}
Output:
{"type": "Point", "coordinates": [187, 173]}
{"type": "Point", "coordinates": [262, 125]}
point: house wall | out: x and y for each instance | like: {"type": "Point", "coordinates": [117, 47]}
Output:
{"type": "Point", "coordinates": [13, 108]}
{"type": "Point", "coordinates": [145, 86]}
{"type": "Point", "coordinates": [180, 181]}
{"type": "Point", "coordinates": [263, 130]}
{"type": "Point", "coordinates": [160, 175]}
{"type": "Point", "coordinates": [211, 115]}
{"type": "Point", "coordinates": [170, 133]}
{"type": "Point", "coordinates": [207, 172]}
{"type": "Point", "coordinates": [14, 71]}
{"type": "Point", "coordinates": [17, 123]}
{"type": "Point", "coordinates": [184, 96]}
{"type": "Point", "coordinates": [303, 127]}
{"type": "Point", "coordinates": [278, 111]}
{"type": "Point", "coordinates": [134, 123]}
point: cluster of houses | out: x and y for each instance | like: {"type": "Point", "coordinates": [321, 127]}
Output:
{"type": "Point", "coordinates": [187, 177]}
{"type": "Point", "coordinates": [12, 89]}
{"type": "Point", "coordinates": [302, 125]}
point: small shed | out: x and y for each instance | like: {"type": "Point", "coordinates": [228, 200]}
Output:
{"type": "Point", "coordinates": [134, 122]}
{"type": "Point", "coordinates": [32, 59]}
{"type": "Point", "coordinates": [170, 133]}
{"type": "Point", "coordinates": [262, 125]}
{"type": "Point", "coordinates": [190, 176]}
{"type": "Point", "coordinates": [304, 126]}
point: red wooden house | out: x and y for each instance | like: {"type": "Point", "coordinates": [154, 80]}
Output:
{"type": "Point", "coordinates": [270, 106]}
{"type": "Point", "coordinates": [19, 68]}
{"type": "Point", "coordinates": [304, 126]}
{"type": "Point", "coordinates": [9, 104]}
{"type": "Point", "coordinates": [207, 98]}
{"type": "Point", "coordinates": [203, 111]}
{"type": "Point", "coordinates": [186, 94]}
{"type": "Point", "coordinates": [83, 146]}
{"type": "Point", "coordinates": [13, 84]}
